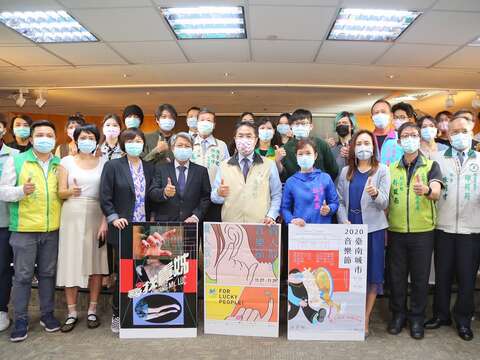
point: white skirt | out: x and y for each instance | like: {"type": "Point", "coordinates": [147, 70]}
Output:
{"type": "Point", "coordinates": [78, 253]}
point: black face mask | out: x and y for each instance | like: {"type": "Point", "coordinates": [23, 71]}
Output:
{"type": "Point", "coordinates": [342, 130]}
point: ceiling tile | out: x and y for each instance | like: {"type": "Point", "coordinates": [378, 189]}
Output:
{"type": "Point", "coordinates": [29, 5]}
{"type": "Point", "coordinates": [8, 36]}
{"type": "Point", "coordinates": [124, 24]}
{"type": "Point", "coordinates": [382, 4]}
{"type": "Point", "coordinates": [464, 58]}
{"type": "Point", "coordinates": [86, 53]}
{"type": "Point", "coordinates": [459, 5]}
{"type": "Point", "coordinates": [290, 23]}
{"type": "Point", "coordinates": [415, 55]}
{"type": "Point", "coordinates": [444, 28]}
{"type": "Point", "coordinates": [75, 4]}
{"type": "Point", "coordinates": [150, 52]}
{"type": "Point", "coordinates": [296, 2]}
{"type": "Point", "coordinates": [351, 52]}
{"type": "Point", "coordinates": [281, 51]}
{"type": "Point", "coordinates": [29, 56]}
{"type": "Point", "coordinates": [216, 50]}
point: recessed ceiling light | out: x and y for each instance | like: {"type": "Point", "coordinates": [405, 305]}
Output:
{"type": "Point", "coordinates": [371, 24]}
{"type": "Point", "coordinates": [47, 26]}
{"type": "Point", "coordinates": [369, 94]}
{"type": "Point", "coordinates": [206, 22]}
{"type": "Point", "coordinates": [475, 43]}
{"type": "Point", "coordinates": [391, 76]}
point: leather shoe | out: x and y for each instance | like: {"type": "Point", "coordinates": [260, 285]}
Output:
{"type": "Point", "coordinates": [396, 325]}
{"type": "Point", "coordinates": [416, 330]}
{"type": "Point", "coordinates": [465, 333]}
{"type": "Point", "coordinates": [435, 323]}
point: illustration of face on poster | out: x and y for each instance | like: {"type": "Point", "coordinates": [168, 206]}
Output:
{"type": "Point", "coordinates": [158, 280]}
{"type": "Point", "coordinates": [241, 267]}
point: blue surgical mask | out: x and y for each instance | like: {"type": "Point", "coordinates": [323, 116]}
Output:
{"type": "Point", "coordinates": [265, 134]}
{"type": "Point", "coordinates": [133, 148]}
{"type": "Point", "coordinates": [44, 145]}
{"type": "Point", "coordinates": [132, 122]}
{"type": "Point", "coordinates": [192, 122]}
{"type": "Point", "coordinates": [22, 132]}
{"type": "Point", "coordinates": [301, 131]}
{"type": "Point", "coordinates": [182, 154]}
{"type": "Point", "coordinates": [167, 124]}
{"type": "Point", "coordinates": [381, 120]}
{"type": "Point", "coordinates": [305, 161]}
{"type": "Point", "coordinates": [205, 127]}
{"type": "Point", "coordinates": [428, 133]}
{"type": "Point", "coordinates": [461, 141]}
{"type": "Point", "coordinates": [283, 129]}
{"type": "Point", "coordinates": [87, 146]}
{"type": "Point", "coordinates": [410, 145]}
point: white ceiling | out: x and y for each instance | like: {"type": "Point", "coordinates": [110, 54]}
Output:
{"type": "Point", "coordinates": [286, 44]}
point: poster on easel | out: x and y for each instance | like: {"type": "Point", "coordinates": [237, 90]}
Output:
{"type": "Point", "coordinates": [327, 275]}
{"type": "Point", "coordinates": [158, 280]}
{"type": "Point", "coordinates": [241, 275]}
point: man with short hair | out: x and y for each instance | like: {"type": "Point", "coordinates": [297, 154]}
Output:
{"type": "Point", "coordinates": [29, 182]}
{"type": "Point", "coordinates": [247, 184]}
{"type": "Point", "coordinates": [302, 125]}
{"type": "Point", "coordinates": [457, 242]}
{"type": "Point", "coordinates": [192, 120]}
{"type": "Point", "coordinates": [156, 148]}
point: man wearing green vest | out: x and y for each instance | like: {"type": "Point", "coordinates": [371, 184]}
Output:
{"type": "Point", "coordinates": [415, 186]}
{"type": "Point", "coordinates": [29, 183]}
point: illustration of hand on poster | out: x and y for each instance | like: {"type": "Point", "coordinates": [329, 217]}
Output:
{"type": "Point", "coordinates": [158, 280]}
{"type": "Point", "coordinates": [241, 279]}
{"type": "Point", "coordinates": [327, 268]}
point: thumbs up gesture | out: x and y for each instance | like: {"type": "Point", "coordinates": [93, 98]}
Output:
{"type": "Point", "coordinates": [371, 189]}
{"type": "Point", "coordinates": [223, 189]}
{"type": "Point", "coordinates": [419, 187]}
{"type": "Point", "coordinates": [76, 190]}
{"type": "Point", "coordinates": [280, 153]}
{"type": "Point", "coordinates": [169, 190]}
{"type": "Point", "coordinates": [28, 187]}
{"type": "Point", "coordinates": [325, 209]}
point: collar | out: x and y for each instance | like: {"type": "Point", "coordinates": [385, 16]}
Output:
{"type": "Point", "coordinates": [254, 157]}
{"type": "Point", "coordinates": [32, 157]}
{"type": "Point", "coordinates": [451, 152]}
{"type": "Point", "coordinates": [5, 150]}
{"type": "Point", "coordinates": [419, 161]}
{"type": "Point", "coordinates": [392, 134]}
{"type": "Point", "coordinates": [177, 165]}
{"type": "Point", "coordinates": [210, 140]}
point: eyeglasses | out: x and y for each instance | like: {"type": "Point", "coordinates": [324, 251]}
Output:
{"type": "Point", "coordinates": [401, 117]}
{"type": "Point", "coordinates": [409, 136]}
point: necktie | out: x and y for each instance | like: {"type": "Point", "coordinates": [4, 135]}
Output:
{"type": "Point", "coordinates": [181, 179]}
{"type": "Point", "coordinates": [461, 157]}
{"type": "Point", "coordinates": [204, 147]}
{"type": "Point", "coordinates": [246, 167]}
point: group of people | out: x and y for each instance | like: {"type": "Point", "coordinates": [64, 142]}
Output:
{"type": "Point", "coordinates": [414, 182]}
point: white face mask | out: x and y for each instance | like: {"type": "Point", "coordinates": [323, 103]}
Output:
{"type": "Point", "coordinates": [265, 134]}
{"type": "Point", "coordinates": [167, 124]}
{"type": "Point", "coordinates": [381, 120]}
{"type": "Point", "coordinates": [363, 152]}
{"type": "Point", "coordinates": [192, 122]}
{"type": "Point", "coordinates": [205, 127]}
{"type": "Point", "coordinates": [428, 133]}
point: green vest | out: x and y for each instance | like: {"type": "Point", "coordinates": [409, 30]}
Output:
{"type": "Point", "coordinates": [408, 212]}
{"type": "Point", "coordinates": [40, 211]}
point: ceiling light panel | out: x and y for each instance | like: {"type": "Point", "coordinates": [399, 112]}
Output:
{"type": "Point", "coordinates": [47, 26]}
{"type": "Point", "coordinates": [371, 24]}
{"type": "Point", "coordinates": [206, 22]}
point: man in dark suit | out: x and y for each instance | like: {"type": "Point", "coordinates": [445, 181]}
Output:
{"type": "Point", "coordinates": [181, 188]}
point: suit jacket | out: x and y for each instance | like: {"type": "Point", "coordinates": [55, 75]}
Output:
{"type": "Point", "coordinates": [117, 192]}
{"type": "Point", "coordinates": [196, 197]}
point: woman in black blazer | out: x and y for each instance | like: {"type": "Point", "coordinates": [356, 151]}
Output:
{"type": "Point", "coordinates": [124, 195]}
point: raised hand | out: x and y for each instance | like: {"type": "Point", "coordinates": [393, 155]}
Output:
{"type": "Point", "coordinates": [419, 187]}
{"type": "Point", "coordinates": [325, 209]}
{"type": "Point", "coordinates": [170, 189]}
{"type": "Point", "coordinates": [223, 190]}
{"type": "Point", "coordinates": [371, 189]}
{"type": "Point", "coordinates": [76, 190]}
{"type": "Point", "coordinates": [28, 187]}
{"type": "Point", "coordinates": [280, 153]}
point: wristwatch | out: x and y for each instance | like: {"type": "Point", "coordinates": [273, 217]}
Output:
{"type": "Point", "coordinates": [428, 192]}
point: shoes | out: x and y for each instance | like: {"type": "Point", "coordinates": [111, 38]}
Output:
{"type": "Point", "coordinates": [115, 324]}
{"type": "Point", "coordinates": [465, 333]}
{"type": "Point", "coordinates": [417, 331]}
{"type": "Point", "coordinates": [396, 325]}
{"type": "Point", "coordinates": [50, 323]}
{"type": "Point", "coordinates": [435, 323]}
{"type": "Point", "coordinates": [69, 324]}
{"type": "Point", "coordinates": [19, 331]}
{"type": "Point", "coordinates": [4, 320]}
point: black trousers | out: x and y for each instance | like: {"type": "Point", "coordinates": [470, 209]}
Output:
{"type": "Point", "coordinates": [456, 256]}
{"type": "Point", "coordinates": [410, 254]}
